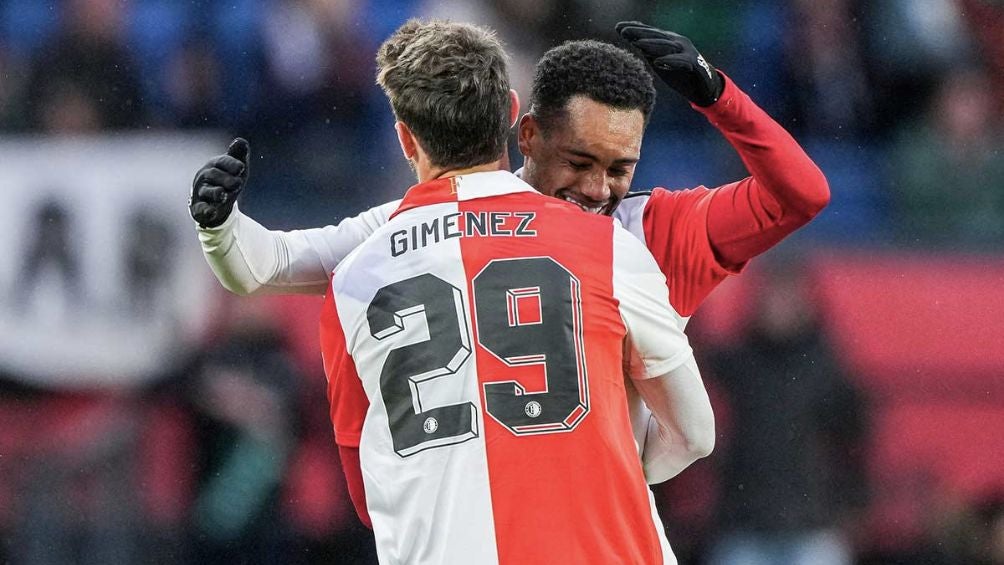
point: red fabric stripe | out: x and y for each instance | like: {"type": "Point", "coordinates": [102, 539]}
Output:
{"type": "Point", "coordinates": [347, 401]}
{"type": "Point", "coordinates": [554, 500]}
{"type": "Point", "coordinates": [676, 232]}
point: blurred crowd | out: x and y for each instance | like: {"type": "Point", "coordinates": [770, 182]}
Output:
{"type": "Point", "coordinates": [230, 459]}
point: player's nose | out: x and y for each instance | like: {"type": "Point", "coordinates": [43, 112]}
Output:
{"type": "Point", "coordinates": [595, 187]}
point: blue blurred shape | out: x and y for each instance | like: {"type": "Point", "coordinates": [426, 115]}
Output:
{"type": "Point", "coordinates": [382, 17]}
{"type": "Point", "coordinates": [236, 32]}
{"type": "Point", "coordinates": [759, 65]}
{"type": "Point", "coordinates": [859, 209]}
{"type": "Point", "coordinates": [28, 24]}
{"type": "Point", "coordinates": [672, 159]}
{"type": "Point", "coordinates": [157, 30]}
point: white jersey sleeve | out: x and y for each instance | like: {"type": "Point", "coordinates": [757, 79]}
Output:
{"type": "Point", "coordinates": [671, 418]}
{"type": "Point", "coordinates": [656, 342]}
{"type": "Point", "coordinates": [249, 259]}
{"type": "Point", "coordinates": [681, 427]}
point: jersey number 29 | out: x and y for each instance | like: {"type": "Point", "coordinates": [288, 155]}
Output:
{"type": "Point", "coordinates": [528, 312]}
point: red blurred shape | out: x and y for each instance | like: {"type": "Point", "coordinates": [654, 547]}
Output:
{"type": "Point", "coordinates": [915, 323]}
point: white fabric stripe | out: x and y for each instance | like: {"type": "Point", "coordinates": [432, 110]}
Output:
{"type": "Point", "coordinates": [631, 214]}
{"type": "Point", "coordinates": [651, 322]}
{"type": "Point", "coordinates": [480, 185]}
{"type": "Point", "coordinates": [433, 506]}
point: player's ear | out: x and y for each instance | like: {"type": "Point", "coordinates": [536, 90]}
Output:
{"type": "Point", "coordinates": [529, 131]}
{"type": "Point", "coordinates": [409, 145]}
{"type": "Point", "coordinates": [513, 107]}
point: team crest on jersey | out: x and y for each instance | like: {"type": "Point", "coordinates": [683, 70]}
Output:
{"type": "Point", "coordinates": [533, 409]}
{"type": "Point", "coordinates": [430, 425]}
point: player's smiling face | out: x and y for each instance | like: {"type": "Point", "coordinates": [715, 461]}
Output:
{"type": "Point", "coordinates": [587, 157]}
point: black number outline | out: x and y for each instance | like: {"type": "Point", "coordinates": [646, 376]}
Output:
{"type": "Point", "coordinates": [490, 389]}
{"type": "Point", "coordinates": [460, 425]}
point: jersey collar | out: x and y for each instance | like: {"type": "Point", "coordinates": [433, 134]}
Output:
{"type": "Point", "coordinates": [461, 188]}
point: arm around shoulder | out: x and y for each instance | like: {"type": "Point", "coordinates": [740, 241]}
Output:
{"type": "Point", "coordinates": [249, 259]}
{"type": "Point", "coordinates": [662, 366]}
{"type": "Point", "coordinates": [681, 429]}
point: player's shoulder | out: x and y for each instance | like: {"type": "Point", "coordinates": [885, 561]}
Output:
{"type": "Point", "coordinates": [631, 210]}
{"type": "Point", "coordinates": [385, 210]}
{"type": "Point", "coordinates": [384, 223]}
{"type": "Point", "coordinates": [625, 241]}
{"type": "Point", "coordinates": [631, 207]}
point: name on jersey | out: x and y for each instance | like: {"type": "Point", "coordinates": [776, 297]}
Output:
{"type": "Point", "coordinates": [462, 224]}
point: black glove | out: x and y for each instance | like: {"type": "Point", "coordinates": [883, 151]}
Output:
{"type": "Point", "coordinates": [676, 61]}
{"type": "Point", "coordinates": [217, 184]}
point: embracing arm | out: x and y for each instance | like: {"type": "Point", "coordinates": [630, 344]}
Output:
{"type": "Point", "coordinates": [249, 259]}
{"type": "Point", "coordinates": [784, 191]}
{"type": "Point", "coordinates": [661, 367]}
{"type": "Point", "coordinates": [681, 429]}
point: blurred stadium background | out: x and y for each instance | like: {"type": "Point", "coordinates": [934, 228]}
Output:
{"type": "Point", "coordinates": [147, 416]}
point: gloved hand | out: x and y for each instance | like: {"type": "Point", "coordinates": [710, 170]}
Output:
{"type": "Point", "coordinates": [676, 61]}
{"type": "Point", "coordinates": [218, 183]}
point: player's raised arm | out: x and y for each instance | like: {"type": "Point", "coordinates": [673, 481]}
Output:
{"type": "Point", "coordinates": [785, 189]}
{"type": "Point", "coordinates": [661, 365]}
{"type": "Point", "coordinates": [249, 259]}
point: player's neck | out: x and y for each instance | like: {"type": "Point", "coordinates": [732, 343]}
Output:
{"type": "Point", "coordinates": [427, 172]}
{"type": "Point", "coordinates": [493, 166]}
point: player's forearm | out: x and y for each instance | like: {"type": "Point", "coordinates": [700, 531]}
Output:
{"type": "Point", "coordinates": [682, 426]}
{"type": "Point", "coordinates": [785, 189]}
{"type": "Point", "coordinates": [667, 455]}
{"type": "Point", "coordinates": [249, 259]}
{"type": "Point", "coordinates": [774, 159]}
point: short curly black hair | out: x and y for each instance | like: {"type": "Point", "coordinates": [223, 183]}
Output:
{"type": "Point", "coordinates": [601, 71]}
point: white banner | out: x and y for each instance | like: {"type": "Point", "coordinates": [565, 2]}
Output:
{"type": "Point", "coordinates": [101, 278]}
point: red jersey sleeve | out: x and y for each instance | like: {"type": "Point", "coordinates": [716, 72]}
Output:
{"type": "Point", "coordinates": [347, 402]}
{"type": "Point", "coordinates": [347, 399]}
{"type": "Point", "coordinates": [354, 481]}
{"type": "Point", "coordinates": [784, 191]}
{"type": "Point", "coordinates": [676, 233]}
{"type": "Point", "coordinates": [700, 236]}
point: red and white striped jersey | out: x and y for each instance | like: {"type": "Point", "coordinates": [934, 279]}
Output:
{"type": "Point", "coordinates": [474, 348]}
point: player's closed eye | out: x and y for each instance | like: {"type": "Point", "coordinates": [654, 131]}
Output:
{"type": "Point", "coordinates": [579, 166]}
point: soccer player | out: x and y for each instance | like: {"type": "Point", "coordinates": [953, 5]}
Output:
{"type": "Point", "coordinates": [474, 343]}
